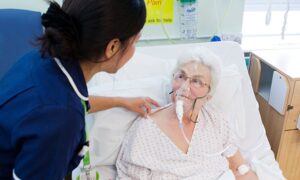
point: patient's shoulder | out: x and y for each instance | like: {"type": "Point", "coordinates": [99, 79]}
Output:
{"type": "Point", "coordinates": [141, 124]}
{"type": "Point", "coordinates": [217, 116]}
{"type": "Point", "coordinates": [156, 117]}
{"type": "Point", "coordinates": [213, 109]}
{"type": "Point", "coordinates": [143, 128]}
{"type": "Point", "coordinates": [213, 113]}
{"type": "Point", "coordinates": [137, 126]}
{"type": "Point", "coordinates": [140, 121]}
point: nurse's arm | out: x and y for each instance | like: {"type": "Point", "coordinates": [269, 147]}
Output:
{"type": "Point", "coordinates": [140, 105]}
{"type": "Point", "coordinates": [236, 161]}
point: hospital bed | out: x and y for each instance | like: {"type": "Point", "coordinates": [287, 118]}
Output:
{"type": "Point", "coordinates": [148, 74]}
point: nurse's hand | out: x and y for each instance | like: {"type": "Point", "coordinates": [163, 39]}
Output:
{"type": "Point", "coordinates": [140, 105]}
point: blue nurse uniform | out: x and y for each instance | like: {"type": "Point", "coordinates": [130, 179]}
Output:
{"type": "Point", "coordinates": [41, 119]}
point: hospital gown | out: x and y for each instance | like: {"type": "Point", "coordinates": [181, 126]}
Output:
{"type": "Point", "coordinates": [147, 153]}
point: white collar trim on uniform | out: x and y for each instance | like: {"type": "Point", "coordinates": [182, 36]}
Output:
{"type": "Point", "coordinates": [15, 177]}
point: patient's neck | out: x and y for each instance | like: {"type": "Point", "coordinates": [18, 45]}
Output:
{"type": "Point", "coordinates": [187, 118]}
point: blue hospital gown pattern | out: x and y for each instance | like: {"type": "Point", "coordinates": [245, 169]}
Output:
{"type": "Point", "coordinates": [147, 153]}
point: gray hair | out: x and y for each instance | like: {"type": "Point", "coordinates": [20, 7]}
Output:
{"type": "Point", "coordinates": [203, 56]}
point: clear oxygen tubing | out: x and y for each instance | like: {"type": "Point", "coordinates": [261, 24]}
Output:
{"type": "Point", "coordinates": [162, 22]}
{"type": "Point", "coordinates": [179, 108]}
{"type": "Point", "coordinates": [180, 111]}
{"type": "Point", "coordinates": [260, 142]}
{"type": "Point", "coordinates": [220, 19]}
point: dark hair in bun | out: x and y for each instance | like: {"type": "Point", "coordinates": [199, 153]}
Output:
{"type": "Point", "coordinates": [81, 29]}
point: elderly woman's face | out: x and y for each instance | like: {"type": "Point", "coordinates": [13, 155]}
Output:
{"type": "Point", "coordinates": [190, 81]}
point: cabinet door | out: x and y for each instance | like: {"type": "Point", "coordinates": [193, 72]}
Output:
{"type": "Point", "coordinates": [273, 123]}
{"type": "Point", "coordinates": [289, 155]}
{"type": "Point", "coordinates": [279, 92]}
{"type": "Point", "coordinates": [275, 129]}
{"type": "Point", "coordinates": [294, 113]}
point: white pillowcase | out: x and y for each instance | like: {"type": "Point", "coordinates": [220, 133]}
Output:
{"type": "Point", "coordinates": [228, 85]}
{"type": "Point", "coordinates": [139, 67]}
{"type": "Point", "coordinates": [143, 66]}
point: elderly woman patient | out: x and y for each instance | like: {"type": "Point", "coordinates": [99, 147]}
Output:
{"type": "Point", "coordinates": [188, 138]}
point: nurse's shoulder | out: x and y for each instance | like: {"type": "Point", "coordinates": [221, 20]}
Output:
{"type": "Point", "coordinates": [36, 75]}
{"type": "Point", "coordinates": [32, 83]}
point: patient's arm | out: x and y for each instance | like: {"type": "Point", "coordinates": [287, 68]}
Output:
{"type": "Point", "coordinates": [234, 162]}
{"type": "Point", "coordinates": [140, 105]}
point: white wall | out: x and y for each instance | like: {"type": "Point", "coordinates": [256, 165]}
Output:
{"type": "Point", "coordinates": [258, 35]}
{"type": "Point", "coordinates": [215, 17]}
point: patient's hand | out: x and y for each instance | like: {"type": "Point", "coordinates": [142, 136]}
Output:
{"type": "Point", "coordinates": [140, 105]}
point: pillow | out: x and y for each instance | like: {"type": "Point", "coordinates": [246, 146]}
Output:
{"type": "Point", "coordinates": [229, 83]}
{"type": "Point", "coordinates": [228, 98]}
{"type": "Point", "coordinates": [143, 66]}
{"type": "Point", "coordinates": [139, 67]}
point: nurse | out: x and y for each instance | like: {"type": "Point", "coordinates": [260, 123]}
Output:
{"type": "Point", "coordinates": [42, 98]}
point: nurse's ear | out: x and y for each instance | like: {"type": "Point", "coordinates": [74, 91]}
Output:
{"type": "Point", "coordinates": [112, 48]}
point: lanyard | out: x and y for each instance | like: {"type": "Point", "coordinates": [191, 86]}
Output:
{"type": "Point", "coordinates": [86, 159]}
{"type": "Point", "coordinates": [88, 173]}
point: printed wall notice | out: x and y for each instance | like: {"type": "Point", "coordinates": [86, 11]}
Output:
{"type": "Point", "coordinates": [159, 10]}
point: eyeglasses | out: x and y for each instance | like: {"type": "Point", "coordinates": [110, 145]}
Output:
{"type": "Point", "coordinates": [196, 82]}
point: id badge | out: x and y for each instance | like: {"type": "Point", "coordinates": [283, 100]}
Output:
{"type": "Point", "coordinates": [89, 175]}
